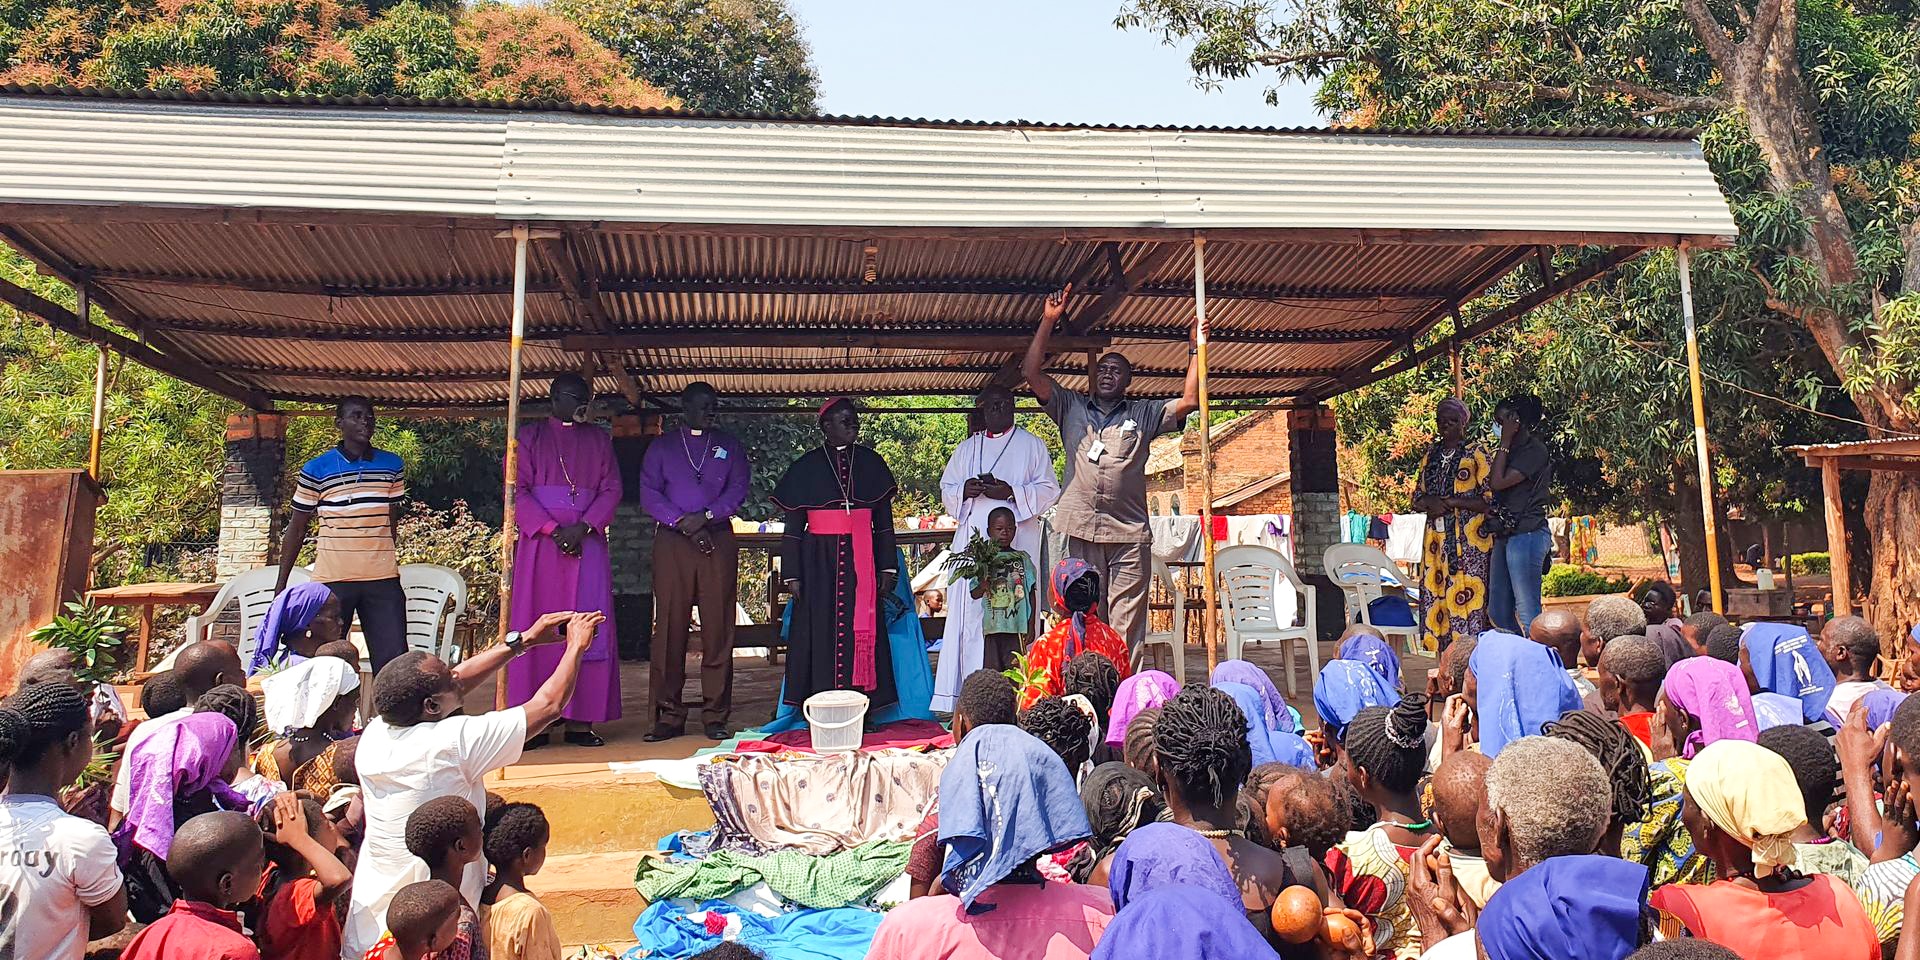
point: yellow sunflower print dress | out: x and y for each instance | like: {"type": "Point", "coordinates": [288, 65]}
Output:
{"type": "Point", "coordinates": [1453, 595]}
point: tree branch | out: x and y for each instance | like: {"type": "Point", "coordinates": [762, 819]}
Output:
{"type": "Point", "coordinates": [1764, 26]}
{"type": "Point", "coordinates": [1277, 59]}
{"type": "Point", "coordinates": [1664, 102]}
{"type": "Point", "coordinates": [1712, 35]}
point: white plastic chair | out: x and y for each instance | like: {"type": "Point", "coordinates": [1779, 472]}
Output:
{"type": "Point", "coordinates": [1249, 577]}
{"type": "Point", "coordinates": [1364, 573]}
{"type": "Point", "coordinates": [253, 592]}
{"type": "Point", "coordinates": [436, 597]}
{"type": "Point", "coordinates": [1175, 639]}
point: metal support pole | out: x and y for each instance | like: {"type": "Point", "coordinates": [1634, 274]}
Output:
{"type": "Point", "coordinates": [84, 308]}
{"type": "Point", "coordinates": [1700, 427]}
{"type": "Point", "coordinates": [509, 531]}
{"type": "Point", "coordinates": [1209, 616]}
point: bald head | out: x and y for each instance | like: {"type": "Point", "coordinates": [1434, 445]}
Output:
{"type": "Point", "coordinates": [1560, 630]}
{"type": "Point", "coordinates": [207, 664]}
{"type": "Point", "coordinates": [217, 858]}
{"type": "Point", "coordinates": [50, 666]}
{"type": "Point", "coordinates": [1459, 786]}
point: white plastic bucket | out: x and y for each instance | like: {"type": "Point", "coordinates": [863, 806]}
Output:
{"type": "Point", "coordinates": [835, 720]}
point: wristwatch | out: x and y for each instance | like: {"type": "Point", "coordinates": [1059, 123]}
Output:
{"type": "Point", "coordinates": [514, 642]}
{"type": "Point", "coordinates": [709, 514]}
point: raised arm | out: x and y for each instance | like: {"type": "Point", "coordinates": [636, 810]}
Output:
{"type": "Point", "coordinates": [1189, 401]}
{"type": "Point", "coordinates": [1034, 365]}
{"type": "Point", "coordinates": [547, 702]}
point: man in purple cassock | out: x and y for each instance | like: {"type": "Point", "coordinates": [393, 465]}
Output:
{"type": "Point", "coordinates": [568, 485]}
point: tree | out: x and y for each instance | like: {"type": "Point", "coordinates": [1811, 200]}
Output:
{"type": "Point", "coordinates": [726, 56]}
{"type": "Point", "coordinates": [1810, 110]}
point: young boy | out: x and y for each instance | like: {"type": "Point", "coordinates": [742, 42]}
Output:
{"type": "Point", "coordinates": [216, 859]}
{"type": "Point", "coordinates": [1459, 788]}
{"type": "Point", "coordinates": [518, 926]}
{"type": "Point", "coordinates": [422, 922]}
{"type": "Point", "coordinates": [1007, 616]}
{"type": "Point", "coordinates": [1631, 670]}
{"type": "Point", "coordinates": [306, 877]}
{"type": "Point", "coordinates": [445, 833]}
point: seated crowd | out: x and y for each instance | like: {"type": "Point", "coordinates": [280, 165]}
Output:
{"type": "Point", "coordinates": [1608, 788]}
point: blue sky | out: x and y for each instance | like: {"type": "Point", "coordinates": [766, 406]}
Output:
{"type": "Point", "coordinates": [1052, 61]}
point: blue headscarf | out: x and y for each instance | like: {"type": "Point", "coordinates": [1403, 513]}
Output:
{"type": "Point", "coordinates": [1161, 855]}
{"type": "Point", "coordinates": [1269, 746]}
{"type": "Point", "coordinates": [1005, 798]}
{"type": "Point", "coordinates": [1278, 715]}
{"type": "Point", "coordinates": [1375, 653]}
{"type": "Point", "coordinates": [1347, 687]}
{"type": "Point", "coordinates": [1567, 908]}
{"type": "Point", "coordinates": [1182, 922]}
{"type": "Point", "coordinates": [1785, 662]}
{"type": "Point", "coordinates": [1521, 685]}
{"type": "Point", "coordinates": [1881, 703]}
{"type": "Point", "coordinates": [292, 611]}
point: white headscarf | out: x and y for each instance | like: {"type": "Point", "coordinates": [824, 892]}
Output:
{"type": "Point", "coordinates": [298, 695]}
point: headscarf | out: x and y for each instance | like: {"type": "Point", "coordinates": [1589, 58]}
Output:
{"type": "Point", "coordinates": [1142, 691]}
{"type": "Point", "coordinates": [1183, 922]}
{"type": "Point", "coordinates": [1347, 687]}
{"type": "Point", "coordinates": [182, 758]}
{"type": "Point", "coordinates": [1065, 574]}
{"type": "Point", "coordinates": [1567, 908]}
{"type": "Point", "coordinates": [1118, 800]}
{"type": "Point", "coordinates": [1749, 792]}
{"type": "Point", "coordinates": [298, 695]}
{"type": "Point", "coordinates": [1274, 710]}
{"type": "Point", "coordinates": [1785, 662]}
{"type": "Point", "coordinates": [1375, 653]}
{"type": "Point", "coordinates": [1714, 692]}
{"type": "Point", "coordinates": [292, 611]}
{"type": "Point", "coordinates": [1522, 685]}
{"type": "Point", "coordinates": [1080, 702]}
{"type": "Point", "coordinates": [1881, 703]}
{"type": "Point", "coordinates": [1164, 855]}
{"type": "Point", "coordinates": [1269, 746]}
{"type": "Point", "coordinates": [1005, 798]}
{"type": "Point", "coordinates": [1454, 403]}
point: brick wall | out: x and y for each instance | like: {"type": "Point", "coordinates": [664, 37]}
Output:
{"type": "Point", "coordinates": [1248, 450]}
{"type": "Point", "coordinates": [251, 494]}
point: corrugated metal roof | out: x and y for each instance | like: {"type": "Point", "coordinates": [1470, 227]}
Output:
{"type": "Point", "coordinates": [307, 246]}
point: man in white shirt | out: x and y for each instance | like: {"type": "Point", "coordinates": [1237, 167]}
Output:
{"type": "Point", "coordinates": [421, 747]}
{"type": "Point", "coordinates": [198, 667]}
{"type": "Point", "coordinates": [1851, 647]}
{"type": "Point", "coordinates": [1561, 630]}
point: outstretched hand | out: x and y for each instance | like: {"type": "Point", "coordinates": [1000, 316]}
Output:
{"type": "Point", "coordinates": [581, 627]}
{"type": "Point", "coordinates": [1440, 906]}
{"type": "Point", "coordinates": [1056, 306]}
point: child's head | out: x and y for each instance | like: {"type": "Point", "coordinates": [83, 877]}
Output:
{"type": "Point", "coordinates": [339, 650]}
{"type": "Point", "coordinates": [445, 832]}
{"type": "Point", "coordinates": [424, 917]}
{"type": "Point", "coordinates": [1305, 809]}
{"type": "Point", "coordinates": [1060, 725]}
{"type": "Point", "coordinates": [321, 829]}
{"type": "Point", "coordinates": [217, 858]}
{"type": "Point", "coordinates": [986, 697]}
{"type": "Point", "coordinates": [345, 769]}
{"type": "Point", "coordinates": [517, 838]}
{"type": "Point", "coordinates": [1001, 527]}
{"type": "Point", "coordinates": [163, 693]}
{"type": "Point", "coordinates": [1458, 787]}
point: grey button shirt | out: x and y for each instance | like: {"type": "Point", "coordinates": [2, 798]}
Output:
{"type": "Point", "coordinates": [1105, 501]}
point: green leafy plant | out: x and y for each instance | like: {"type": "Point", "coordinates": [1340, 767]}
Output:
{"type": "Point", "coordinates": [94, 634]}
{"type": "Point", "coordinates": [1024, 675]}
{"type": "Point", "coordinates": [1817, 562]}
{"type": "Point", "coordinates": [982, 561]}
{"type": "Point", "coordinates": [1565, 580]}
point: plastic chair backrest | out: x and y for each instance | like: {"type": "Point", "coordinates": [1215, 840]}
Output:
{"type": "Point", "coordinates": [253, 592]}
{"type": "Point", "coordinates": [1360, 569]}
{"type": "Point", "coordinates": [1246, 573]}
{"type": "Point", "coordinates": [1163, 574]}
{"type": "Point", "coordinates": [436, 597]}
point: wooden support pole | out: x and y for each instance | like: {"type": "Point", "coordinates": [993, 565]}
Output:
{"type": "Point", "coordinates": [509, 532]}
{"type": "Point", "coordinates": [1700, 428]}
{"type": "Point", "coordinates": [1210, 613]}
{"type": "Point", "coordinates": [1837, 558]}
{"type": "Point", "coordinates": [83, 308]}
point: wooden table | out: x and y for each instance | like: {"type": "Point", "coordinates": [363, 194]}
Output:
{"type": "Point", "coordinates": [145, 597]}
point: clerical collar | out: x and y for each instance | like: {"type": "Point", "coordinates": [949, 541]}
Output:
{"type": "Point", "coordinates": [995, 436]}
{"type": "Point", "coordinates": [695, 432]}
{"type": "Point", "coordinates": [841, 447]}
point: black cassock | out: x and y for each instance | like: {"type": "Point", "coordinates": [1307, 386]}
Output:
{"type": "Point", "coordinates": [823, 494]}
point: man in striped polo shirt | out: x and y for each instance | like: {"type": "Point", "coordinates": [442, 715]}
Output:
{"type": "Point", "coordinates": [356, 491]}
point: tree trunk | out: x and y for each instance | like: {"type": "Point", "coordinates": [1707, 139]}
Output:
{"type": "Point", "coordinates": [1690, 536]}
{"type": "Point", "coordinates": [1893, 524]}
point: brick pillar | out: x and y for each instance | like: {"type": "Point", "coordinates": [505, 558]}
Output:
{"type": "Point", "coordinates": [1316, 508]}
{"type": "Point", "coordinates": [630, 540]}
{"type": "Point", "coordinates": [256, 457]}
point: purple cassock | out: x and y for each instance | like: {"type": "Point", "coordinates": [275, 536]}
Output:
{"type": "Point", "coordinates": [567, 474]}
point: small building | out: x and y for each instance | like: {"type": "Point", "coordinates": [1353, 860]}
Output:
{"type": "Point", "coordinates": [1251, 456]}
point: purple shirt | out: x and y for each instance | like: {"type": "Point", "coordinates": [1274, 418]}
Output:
{"type": "Point", "coordinates": [682, 473]}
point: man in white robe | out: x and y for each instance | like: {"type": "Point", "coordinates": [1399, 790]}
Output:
{"type": "Point", "coordinates": [999, 466]}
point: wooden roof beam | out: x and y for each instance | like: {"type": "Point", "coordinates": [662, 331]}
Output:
{"type": "Point", "coordinates": [1119, 283]}
{"type": "Point", "coordinates": [580, 279]}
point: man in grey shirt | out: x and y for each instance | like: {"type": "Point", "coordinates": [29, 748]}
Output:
{"type": "Point", "coordinates": [1102, 509]}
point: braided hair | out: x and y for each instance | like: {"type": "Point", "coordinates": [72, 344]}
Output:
{"type": "Point", "coordinates": [1389, 743]}
{"type": "Point", "coordinates": [1137, 749]}
{"type": "Point", "coordinates": [1061, 726]}
{"type": "Point", "coordinates": [1619, 755]}
{"type": "Point", "coordinates": [1092, 676]}
{"type": "Point", "coordinates": [1200, 745]}
{"type": "Point", "coordinates": [236, 704]}
{"type": "Point", "coordinates": [37, 719]}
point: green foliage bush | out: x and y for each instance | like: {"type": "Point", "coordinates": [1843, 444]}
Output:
{"type": "Point", "coordinates": [1566, 580]}
{"type": "Point", "coordinates": [1811, 563]}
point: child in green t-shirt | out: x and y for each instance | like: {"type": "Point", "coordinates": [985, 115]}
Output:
{"type": "Point", "coordinates": [1008, 611]}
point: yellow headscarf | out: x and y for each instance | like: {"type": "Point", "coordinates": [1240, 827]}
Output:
{"type": "Point", "coordinates": [1749, 792]}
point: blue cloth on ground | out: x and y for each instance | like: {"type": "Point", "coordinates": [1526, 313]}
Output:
{"type": "Point", "coordinates": [668, 931]}
{"type": "Point", "coordinates": [912, 674]}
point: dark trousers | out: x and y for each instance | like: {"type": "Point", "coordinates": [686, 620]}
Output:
{"type": "Point", "coordinates": [382, 608]}
{"type": "Point", "coordinates": [682, 577]}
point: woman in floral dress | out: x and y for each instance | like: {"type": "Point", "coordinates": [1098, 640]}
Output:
{"type": "Point", "coordinates": [1454, 495]}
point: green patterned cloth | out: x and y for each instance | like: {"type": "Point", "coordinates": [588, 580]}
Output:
{"type": "Point", "coordinates": [822, 882]}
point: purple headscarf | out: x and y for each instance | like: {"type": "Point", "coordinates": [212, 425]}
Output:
{"type": "Point", "coordinates": [1278, 716]}
{"type": "Point", "coordinates": [1183, 922]}
{"type": "Point", "coordinates": [292, 611]}
{"type": "Point", "coordinates": [1163, 855]}
{"type": "Point", "coordinates": [1881, 703]}
{"type": "Point", "coordinates": [1142, 691]}
{"type": "Point", "coordinates": [1375, 653]}
{"type": "Point", "coordinates": [182, 758]}
{"type": "Point", "coordinates": [1713, 692]}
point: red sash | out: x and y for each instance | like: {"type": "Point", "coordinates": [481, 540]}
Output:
{"type": "Point", "coordinates": [858, 524]}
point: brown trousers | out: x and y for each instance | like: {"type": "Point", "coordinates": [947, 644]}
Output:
{"type": "Point", "coordinates": [683, 576]}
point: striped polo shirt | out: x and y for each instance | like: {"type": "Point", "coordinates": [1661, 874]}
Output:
{"type": "Point", "coordinates": [354, 499]}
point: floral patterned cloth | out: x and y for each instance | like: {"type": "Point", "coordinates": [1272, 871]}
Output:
{"type": "Point", "coordinates": [1883, 892]}
{"type": "Point", "coordinates": [1453, 599]}
{"type": "Point", "coordinates": [1376, 869]}
{"type": "Point", "coordinates": [1659, 841]}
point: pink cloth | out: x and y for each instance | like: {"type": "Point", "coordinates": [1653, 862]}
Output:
{"type": "Point", "coordinates": [566, 475]}
{"type": "Point", "coordinates": [1142, 691]}
{"type": "Point", "coordinates": [901, 734]}
{"type": "Point", "coordinates": [857, 524]}
{"type": "Point", "coordinates": [1049, 921]}
{"type": "Point", "coordinates": [1713, 692]}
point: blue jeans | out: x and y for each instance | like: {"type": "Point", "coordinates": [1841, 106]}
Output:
{"type": "Point", "coordinates": [1513, 579]}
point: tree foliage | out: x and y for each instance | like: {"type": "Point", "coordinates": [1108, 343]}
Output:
{"type": "Point", "coordinates": [729, 56]}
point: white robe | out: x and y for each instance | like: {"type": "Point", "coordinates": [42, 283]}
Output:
{"type": "Point", "coordinates": [1022, 460]}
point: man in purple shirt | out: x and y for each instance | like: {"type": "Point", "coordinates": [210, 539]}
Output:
{"type": "Point", "coordinates": [693, 480]}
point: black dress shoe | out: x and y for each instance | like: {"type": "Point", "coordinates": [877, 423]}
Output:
{"type": "Point", "coordinates": [585, 738]}
{"type": "Point", "coordinates": [664, 733]}
{"type": "Point", "coordinates": [536, 743]}
{"type": "Point", "coordinates": [717, 732]}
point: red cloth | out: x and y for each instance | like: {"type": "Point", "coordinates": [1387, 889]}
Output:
{"type": "Point", "coordinates": [1640, 725]}
{"type": "Point", "coordinates": [857, 524]}
{"type": "Point", "coordinates": [900, 733]}
{"type": "Point", "coordinates": [297, 926]}
{"type": "Point", "coordinates": [1219, 526]}
{"type": "Point", "coordinates": [1047, 657]}
{"type": "Point", "coordinates": [1822, 918]}
{"type": "Point", "coordinates": [194, 931]}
